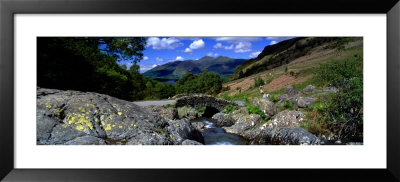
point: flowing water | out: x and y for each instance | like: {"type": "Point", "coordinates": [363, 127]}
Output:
{"type": "Point", "coordinates": [217, 136]}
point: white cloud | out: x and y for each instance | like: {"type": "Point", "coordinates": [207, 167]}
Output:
{"type": "Point", "coordinates": [164, 43]}
{"type": "Point", "coordinates": [212, 54]}
{"type": "Point", "coordinates": [228, 47]}
{"type": "Point", "coordinates": [147, 67]}
{"type": "Point", "coordinates": [254, 54]}
{"type": "Point", "coordinates": [179, 58]}
{"type": "Point", "coordinates": [197, 44]}
{"type": "Point", "coordinates": [145, 58]}
{"type": "Point", "coordinates": [273, 42]}
{"type": "Point", "coordinates": [159, 59]}
{"type": "Point", "coordinates": [217, 45]}
{"type": "Point", "coordinates": [220, 46]}
{"type": "Point", "coordinates": [188, 50]}
{"type": "Point", "coordinates": [243, 47]}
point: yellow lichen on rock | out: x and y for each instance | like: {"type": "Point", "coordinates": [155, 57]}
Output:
{"type": "Point", "coordinates": [81, 120]}
{"type": "Point", "coordinates": [48, 106]}
{"type": "Point", "coordinates": [108, 127]}
{"type": "Point", "coordinates": [57, 111]}
{"type": "Point", "coordinates": [120, 113]}
{"type": "Point", "coordinates": [79, 127]}
{"type": "Point", "coordinates": [82, 109]}
{"type": "Point", "coordinates": [119, 126]}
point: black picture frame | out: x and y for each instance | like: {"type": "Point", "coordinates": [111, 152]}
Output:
{"type": "Point", "coordinates": [8, 8]}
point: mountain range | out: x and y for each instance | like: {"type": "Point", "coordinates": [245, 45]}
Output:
{"type": "Point", "coordinates": [174, 70]}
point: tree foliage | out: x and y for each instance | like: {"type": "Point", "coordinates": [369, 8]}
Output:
{"type": "Point", "coordinates": [90, 64]}
{"type": "Point", "coordinates": [206, 82]}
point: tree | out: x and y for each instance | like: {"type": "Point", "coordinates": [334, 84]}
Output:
{"type": "Point", "coordinates": [120, 48]}
{"type": "Point", "coordinates": [90, 64]}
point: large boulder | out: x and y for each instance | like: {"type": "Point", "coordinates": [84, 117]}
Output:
{"type": "Point", "coordinates": [166, 113]}
{"type": "Point", "coordinates": [266, 106]}
{"type": "Point", "coordinates": [73, 117]}
{"type": "Point", "coordinates": [309, 89]}
{"type": "Point", "coordinates": [222, 119]}
{"type": "Point", "coordinates": [181, 130]}
{"type": "Point", "coordinates": [243, 123]}
{"type": "Point", "coordinates": [281, 136]}
{"type": "Point", "coordinates": [283, 97]}
{"type": "Point", "coordinates": [291, 91]}
{"type": "Point", "coordinates": [287, 118]}
{"type": "Point", "coordinates": [305, 102]}
{"type": "Point", "coordinates": [199, 126]}
{"type": "Point", "coordinates": [187, 112]}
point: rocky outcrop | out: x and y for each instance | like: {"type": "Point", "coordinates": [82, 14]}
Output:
{"type": "Point", "coordinates": [243, 122]}
{"type": "Point", "coordinates": [166, 113]}
{"type": "Point", "coordinates": [303, 102]}
{"type": "Point", "coordinates": [181, 130]}
{"type": "Point", "coordinates": [309, 89]}
{"type": "Point", "coordinates": [79, 118]}
{"type": "Point", "coordinates": [281, 136]}
{"type": "Point", "coordinates": [291, 91]}
{"type": "Point", "coordinates": [199, 126]}
{"type": "Point", "coordinates": [287, 118]}
{"type": "Point", "coordinates": [266, 106]}
{"type": "Point", "coordinates": [223, 120]}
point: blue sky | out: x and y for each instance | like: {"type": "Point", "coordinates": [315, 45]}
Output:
{"type": "Point", "coordinates": [161, 50]}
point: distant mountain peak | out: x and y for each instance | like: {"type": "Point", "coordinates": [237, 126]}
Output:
{"type": "Point", "coordinates": [206, 58]}
{"type": "Point", "coordinates": [174, 70]}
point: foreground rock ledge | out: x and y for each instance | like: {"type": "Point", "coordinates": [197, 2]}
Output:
{"type": "Point", "coordinates": [86, 118]}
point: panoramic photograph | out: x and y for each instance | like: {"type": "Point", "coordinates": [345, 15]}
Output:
{"type": "Point", "coordinates": [199, 91]}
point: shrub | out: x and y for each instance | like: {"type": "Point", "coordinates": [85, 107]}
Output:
{"type": "Point", "coordinates": [336, 73]}
{"type": "Point", "coordinates": [346, 109]}
{"type": "Point", "coordinates": [229, 109]}
{"type": "Point", "coordinates": [256, 110]}
{"type": "Point", "coordinates": [258, 81]}
{"type": "Point", "coordinates": [288, 105]}
{"type": "Point", "coordinates": [201, 110]}
{"type": "Point", "coordinates": [342, 111]}
{"type": "Point", "coordinates": [286, 69]}
{"type": "Point", "coordinates": [274, 98]}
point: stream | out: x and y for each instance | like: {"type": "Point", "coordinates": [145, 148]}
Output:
{"type": "Point", "coordinates": [217, 136]}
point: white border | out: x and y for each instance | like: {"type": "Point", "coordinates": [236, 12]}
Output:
{"type": "Point", "coordinates": [371, 155]}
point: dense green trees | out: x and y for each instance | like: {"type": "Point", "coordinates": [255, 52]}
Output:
{"type": "Point", "coordinates": [206, 82]}
{"type": "Point", "coordinates": [157, 90]}
{"type": "Point", "coordinates": [90, 64]}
